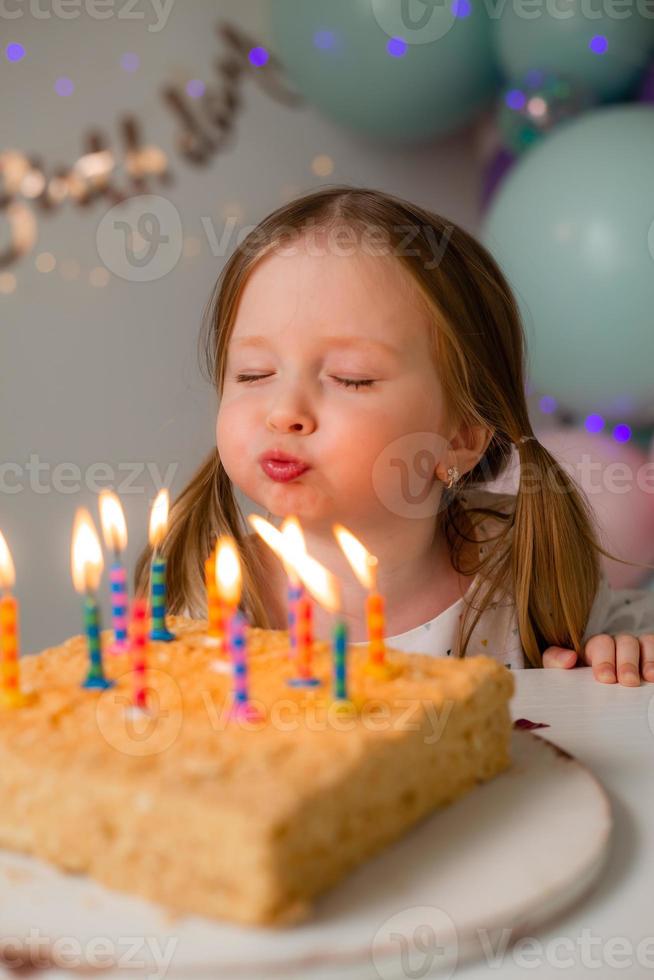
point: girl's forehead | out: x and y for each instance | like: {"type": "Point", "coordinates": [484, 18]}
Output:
{"type": "Point", "coordinates": [303, 284]}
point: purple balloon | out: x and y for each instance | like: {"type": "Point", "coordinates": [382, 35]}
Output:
{"type": "Point", "coordinates": [495, 172]}
{"type": "Point", "coordinates": [646, 91]}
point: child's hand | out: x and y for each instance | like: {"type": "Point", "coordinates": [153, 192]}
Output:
{"type": "Point", "coordinates": [633, 656]}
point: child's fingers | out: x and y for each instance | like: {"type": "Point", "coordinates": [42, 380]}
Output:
{"type": "Point", "coordinates": [559, 657]}
{"type": "Point", "coordinates": [647, 656]}
{"type": "Point", "coordinates": [615, 658]}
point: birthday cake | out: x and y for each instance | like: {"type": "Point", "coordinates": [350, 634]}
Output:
{"type": "Point", "coordinates": [244, 818]}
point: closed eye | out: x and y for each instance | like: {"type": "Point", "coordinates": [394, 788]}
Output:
{"type": "Point", "coordinates": [346, 382]}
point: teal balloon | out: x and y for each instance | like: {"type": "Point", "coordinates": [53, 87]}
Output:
{"type": "Point", "coordinates": [396, 70]}
{"type": "Point", "coordinates": [566, 41]}
{"type": "Point", "coordinates": [572, 227]}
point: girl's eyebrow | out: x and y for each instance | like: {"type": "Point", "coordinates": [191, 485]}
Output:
{"type": "Point", "coordinates": [256, 340]}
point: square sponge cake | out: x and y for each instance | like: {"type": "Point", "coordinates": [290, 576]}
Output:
{"type": "Point", "coordinates": [241, 819]}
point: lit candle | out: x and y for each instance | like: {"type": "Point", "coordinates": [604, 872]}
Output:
{"type": "Point", "coordinates": [11, 695]}
{"type": "Point", "coordinates": [158, 528]}
{"type": "Point", "coordinates": [289, 547]}
{"type": "Point", "coordinates": [323, 586]}
{"type": "Point", "coordinates": [229, 581]}
{"type": "Point", "coordinates": [300, 619]}
{"type": "Point", "coordinates": [114, 531]}
{"type": "Point", "coordinates": [364, 566]}
{"type": "Point", "coordinates": [86, 563]}
{"type": "Point", "coordinates": [215, 608]}
{"type": "Point", "coordinates": [139, 645]}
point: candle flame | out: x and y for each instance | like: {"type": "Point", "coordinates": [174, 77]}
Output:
{"type": "Point", "coordinates": [293, 536]}
{"type": "Point", "coordinates": [159, 518]}
{"type": "Point", "coordinates": [7, 572]}
{"type": "Point", "coordinates": [320, 582]}
{"type": "Point", "coordinates": [228, 570]}
{"type": "Point", "coordinates": [86, 553]}
{"type": "Point", "coordinates": [112, 517]}
{"type": "Point", "coordinates": [364, 565]}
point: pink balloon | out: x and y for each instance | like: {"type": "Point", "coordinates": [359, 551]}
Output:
{"type": "Point", "coordinates": [618, 479]}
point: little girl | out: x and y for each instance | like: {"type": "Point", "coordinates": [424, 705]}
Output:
{"type": "Point", "coordinates": [369, 360]}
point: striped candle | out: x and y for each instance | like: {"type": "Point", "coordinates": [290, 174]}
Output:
{"type": "Point", "coordinates": [158, 593]}
{"type": "Point", "coordinates": [10, 694]}
{"type": "Point", "coordinates": [242, 707]}
{"type": "Point", "coordinates": [156, 535]}
{"type": "Point", "coordinates": [304, 640]}
{"type": "Point", "coordinates": [118, 587]}
{"type": "Point", "coordinates": [95, 677]}
{"type": "Point", "coordinates": [139, 647]}
{"type": "Point", "coordinates": [339, 651]}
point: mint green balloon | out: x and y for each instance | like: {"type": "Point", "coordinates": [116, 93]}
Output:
{"type": "Point", "coordinates": [572, 226]}
{"type": "Point", "coordinates": [557, 36]}
{"type": "Point", "coordinates": [336, 52]}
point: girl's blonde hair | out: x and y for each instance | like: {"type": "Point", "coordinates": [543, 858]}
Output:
{"type": "Point", "coordinates": [546, 551]}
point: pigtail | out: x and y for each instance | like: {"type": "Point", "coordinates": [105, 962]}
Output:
{"type": "Point", "coordinates": [555, 555]}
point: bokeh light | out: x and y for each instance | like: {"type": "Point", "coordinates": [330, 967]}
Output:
{"type": "Point", "coordinates": [397, 47]}
{"type": "Point", "coordinates": [622, 433]}
{"type": "Point", "coordinates": [322, 165]}
{"type": "Point", "coordinates": [259, 57]}
{"type": "Point", "coordinates": [461, 8]}
{"type": "Point", "coordinates": [548, 404]}
{"type": "Point", "coordinates": [130, 61]}
{"type": "Point", "coordinates": [99, 276]}
{"type": "Point", "coordinates": [325, 40]}
{"type": "Point", "coordinates": [195, 89]}
{"type": "Point", "coordinates": [598, 44]}
{"type": "Point", "coordinates": [515, 98]}
{"type": "Point", "coordinates": [45, 262]}
{"type": "Point", "coordinates": [7, 283]}
{"type": "Point", "coordinates": [15, 52]}
{"type": "Point", "coordinates": [594, 423]}
{"type": "Point", "coordinates": [64, 86]}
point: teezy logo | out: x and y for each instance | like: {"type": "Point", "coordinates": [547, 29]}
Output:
{"type": "Point", "coordinates": [141, 239]}
{"type": "Point", "coordinates": [415, 21]}
{"type": "Point", "coordinates": [404, 477]}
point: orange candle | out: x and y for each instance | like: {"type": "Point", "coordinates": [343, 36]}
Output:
{"type": "Point", "coordinates": [364, 566]}
{"type": "Point", "coordinates": [11, 695]}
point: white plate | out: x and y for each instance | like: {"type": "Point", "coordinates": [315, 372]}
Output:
{"type": "Point", "coordinates": [492, 866]}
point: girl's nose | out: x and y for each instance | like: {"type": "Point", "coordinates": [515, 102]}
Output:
{"type": "Point", "coordinates": [289, 418]}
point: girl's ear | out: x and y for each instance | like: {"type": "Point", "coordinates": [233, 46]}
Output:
{"type": "Point", "coordinates": [467, 446]}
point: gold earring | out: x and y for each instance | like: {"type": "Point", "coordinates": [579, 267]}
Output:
{"type": "Point", "coordinates": [454, 475]}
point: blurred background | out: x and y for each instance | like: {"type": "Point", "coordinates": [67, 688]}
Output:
{"type": "Point", "coordinates": [140, 140]}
